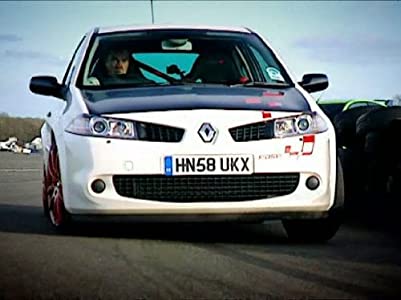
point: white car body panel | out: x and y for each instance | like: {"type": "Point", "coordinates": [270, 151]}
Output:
{"type": "Point", "coordinates": [79, 169]}
{"type": "Point", "coordinates": [84, 159]}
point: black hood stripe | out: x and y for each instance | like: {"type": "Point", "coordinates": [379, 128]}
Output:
{"type": "Point", "coordinates": [188, 98]}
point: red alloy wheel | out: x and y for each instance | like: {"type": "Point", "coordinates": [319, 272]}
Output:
{"type": "Point", "coordinates": [53, 201]}
{"type": "Point", "coordinates": [45, 185]}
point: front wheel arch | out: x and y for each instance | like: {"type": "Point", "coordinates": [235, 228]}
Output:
{"type": "Point", "coordinates": [320, 230]}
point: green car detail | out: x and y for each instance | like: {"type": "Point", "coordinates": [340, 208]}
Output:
{"type": "Point", "coordinates": [334, 107]}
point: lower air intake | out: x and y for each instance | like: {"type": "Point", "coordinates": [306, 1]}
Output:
{"type": "Point", "coordinates": [204, 188]}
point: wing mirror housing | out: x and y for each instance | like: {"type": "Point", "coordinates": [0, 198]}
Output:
{"type": "Point", "coordinates": [46, 85]}
{"type": "Point", "coordinates": [314, 82]}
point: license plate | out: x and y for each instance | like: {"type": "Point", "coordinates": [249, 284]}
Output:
{"type": "Point", "coordinates": [208, 164]}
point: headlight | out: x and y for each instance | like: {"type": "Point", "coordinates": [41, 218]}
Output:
{"type": "Point", "coordinates": [103, 127]}
{"type": "Point", "coordinates": [284, 127]}
{"type": "Point", "coordinates": [99, 125]}
{"type": "Point", "coordinates": [303, 123]}
{"type": "Point", "coordinates": [298, 125]}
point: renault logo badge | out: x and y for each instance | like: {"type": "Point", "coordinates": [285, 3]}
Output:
{"type": "Point", "coordinates": [207, 132]}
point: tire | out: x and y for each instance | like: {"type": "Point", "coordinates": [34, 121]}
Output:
{"type": "Point", "coordinates": [52, 197]}
{"type": "Point", "coordinates": [394, 185]}
{"type": "Point", "coordinates": [345, 124]}
{"type": "Point", "coordinates": [381, 156]}
{"type": "Point", "coordinates": [351, 167]}
{"type": "Point", "coordinates": [377, 130]}
{"type": "Point", "coordinates": [320, 230]}
{"type": "Point", "coordinates": [377, 119]}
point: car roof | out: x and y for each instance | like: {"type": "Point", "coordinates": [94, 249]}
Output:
{"type": "Point", "coordinates": [124, 28]}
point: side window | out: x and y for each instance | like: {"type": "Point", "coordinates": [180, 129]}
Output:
{"type": "Point", "coordinates": [70, 69]}
{"type": "Point", "coordinates": [161, 61]}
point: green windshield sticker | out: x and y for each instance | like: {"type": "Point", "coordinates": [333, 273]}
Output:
{"type": "Point", "coordinates": [274, 74]}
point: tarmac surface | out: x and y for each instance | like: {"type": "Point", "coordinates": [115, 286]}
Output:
{"type": "Point", "coordinates": [109, 260]}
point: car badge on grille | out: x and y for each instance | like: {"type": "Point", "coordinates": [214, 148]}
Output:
{"type": "Point", "coordinates": [207, 132]}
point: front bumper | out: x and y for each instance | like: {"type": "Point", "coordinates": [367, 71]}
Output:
{"type": "Point", "coordinates": [84, 159]}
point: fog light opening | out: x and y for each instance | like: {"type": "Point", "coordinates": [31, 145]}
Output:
{"type": "Point", "coordinates": [312, 183]}
{"type": "Point", "coordinates": [98, 186]}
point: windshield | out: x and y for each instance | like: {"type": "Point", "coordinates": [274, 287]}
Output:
{"type": "Point", "coordinates": [169, 57]}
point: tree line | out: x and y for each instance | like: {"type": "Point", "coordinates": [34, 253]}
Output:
{"type": "Point", "coordinates": [25, 129]}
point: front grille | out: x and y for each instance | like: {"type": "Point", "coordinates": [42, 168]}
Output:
{"type": "Point", "coordinates": [159, 133]}
{"type": "Point", "coordinates": [253, 132]}
{"type": "Point", "coordinates": [203, 188]}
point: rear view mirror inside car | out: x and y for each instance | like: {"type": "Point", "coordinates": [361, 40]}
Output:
{"type": "Point", "coordinates": [177, 44]}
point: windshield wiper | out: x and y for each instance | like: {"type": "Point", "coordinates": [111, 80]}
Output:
{"type": "Point", "coordinates": [273, 85]}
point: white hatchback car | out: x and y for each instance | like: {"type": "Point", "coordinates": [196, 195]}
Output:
{"type": "Point", "coordinates": [189, 123]}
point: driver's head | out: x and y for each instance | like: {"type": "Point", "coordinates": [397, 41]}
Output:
{"type": "Point", "coordinates": [117, 62]}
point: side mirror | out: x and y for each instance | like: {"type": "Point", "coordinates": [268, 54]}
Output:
{"type": "Point", "coordinates": [314, 82]}
{"type": "Point", "coordinates": [46, 85]}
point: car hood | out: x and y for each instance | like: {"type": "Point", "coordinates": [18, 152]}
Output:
{"type": "Point", "coordinates": [189, 97]}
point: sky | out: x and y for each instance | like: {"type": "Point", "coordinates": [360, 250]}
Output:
{"type": "Point", "coordinates": [357, 44]}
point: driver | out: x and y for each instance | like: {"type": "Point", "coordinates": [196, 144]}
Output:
{"type": "Point", "coordinates": [118, 67]}
{"type": "Point", "coordinates": [117, 62]}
